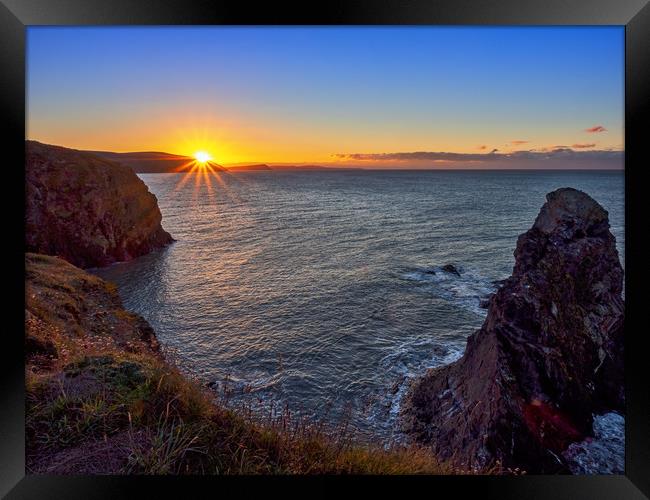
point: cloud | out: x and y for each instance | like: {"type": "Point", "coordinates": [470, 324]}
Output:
{"type": "Point", "coordinates": [582, 146]}
{"type": "Point", "coordinates": [482, 147]}
{"type": "Point", "coordinates": [519, 142]}
{"type": "Point", "coordinates": [560, 157]}
{"type": "Point", "coordinates": [595, 129]}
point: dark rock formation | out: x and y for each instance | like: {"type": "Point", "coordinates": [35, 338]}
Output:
{"type": "Point", "coordinates": [451, 269]}
{"type": "Point", "coordinates": [90, 211]}
{"type": "Point", "coordinates": [549, 355]}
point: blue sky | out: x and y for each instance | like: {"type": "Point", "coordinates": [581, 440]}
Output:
{"type": "Point", "coordinates": [303, 94]}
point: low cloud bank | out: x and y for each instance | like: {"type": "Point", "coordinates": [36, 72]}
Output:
{"type": "Point", "coordinates": [560, 157]}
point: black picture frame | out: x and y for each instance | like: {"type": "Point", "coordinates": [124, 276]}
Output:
{"type": "Point", "coordinates": [16, 15]}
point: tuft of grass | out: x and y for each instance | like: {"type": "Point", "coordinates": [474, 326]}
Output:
{"type": "Point", "coordinates": [168, 444]}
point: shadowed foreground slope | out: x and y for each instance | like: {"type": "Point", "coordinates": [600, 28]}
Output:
{"type": "Point", "coordinates": [101, 399]}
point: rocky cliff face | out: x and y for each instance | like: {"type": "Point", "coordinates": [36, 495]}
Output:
{"type": "Point", "coordinates": [549, 355]}
{"type": "Point", "coordinates": [90, 211]}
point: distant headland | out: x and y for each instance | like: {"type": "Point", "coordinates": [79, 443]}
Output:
{"type": "Point", "coordinates": [154, 162]}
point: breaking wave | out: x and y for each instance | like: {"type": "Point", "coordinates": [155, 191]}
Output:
{"type": "Point", "coordinates": [466, 288]}
{"type": "Point", "coordinates": [605, 452]}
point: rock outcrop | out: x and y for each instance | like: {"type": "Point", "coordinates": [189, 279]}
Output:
{"type": "Point", "coordinates": [88, 210]}
{"type": "Point", "coordinates": [68, 310]}
{"type": "Point", "coordinates": [548, 357]}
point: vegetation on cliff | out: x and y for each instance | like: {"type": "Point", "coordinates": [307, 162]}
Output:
{"type": "Point", "coordinates": [102, 399]}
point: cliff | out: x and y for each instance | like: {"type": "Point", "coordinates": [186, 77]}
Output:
{"type": "Point", "coordinates": [548, 356]}
{"type": "Point", "coordinates": [102, 399]}
{"type": "Point", "coordinates": [100, 396]}
{"type": "Point", "coordinates": [69, 311]}
{"type": "Point", "coordinates": [88, 210]}
{"type": "Point", "coordinates": [83, 354]}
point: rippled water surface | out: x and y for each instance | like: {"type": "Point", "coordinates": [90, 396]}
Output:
{"type": "Point", "coordinates": [324, 289]}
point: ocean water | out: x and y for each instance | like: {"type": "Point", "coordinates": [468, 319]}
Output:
{"type": "Point", "coordinates": [315, 289]}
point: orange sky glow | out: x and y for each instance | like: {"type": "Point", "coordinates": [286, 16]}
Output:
{"type": "Point", "coordinates": [373, 97]}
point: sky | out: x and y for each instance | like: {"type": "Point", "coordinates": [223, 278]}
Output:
{"type": "Point", "coordinates": [384, 97]}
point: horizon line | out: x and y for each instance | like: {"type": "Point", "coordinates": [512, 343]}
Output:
{"type": "Point", "coordinates": [513, 156]}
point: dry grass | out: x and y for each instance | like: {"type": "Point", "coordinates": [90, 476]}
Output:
{"type": "Point", "coordinates": [102, 399]}
{"type": "Point", "coordinates": [174, 426]}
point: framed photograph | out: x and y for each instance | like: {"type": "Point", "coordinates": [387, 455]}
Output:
{"type": "Point", "coordinates": [393, 242]}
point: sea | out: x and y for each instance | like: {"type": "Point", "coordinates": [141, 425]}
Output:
{"type": "Point", "coordinates": [323, 292]}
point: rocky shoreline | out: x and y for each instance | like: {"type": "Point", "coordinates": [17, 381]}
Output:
{"type": "Point", "coordinates": [101, 398]}
{"type": "Point", "coordinates": [548, 357]}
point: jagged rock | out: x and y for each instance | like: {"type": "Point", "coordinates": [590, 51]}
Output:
{"type": "Point", "coordinates": [450, 268]}
{"type": "Point", "coordinates": [396, 385]}
{"type": "Point", "coordinates": [548, 356]}
{"type": "Point", "coordinates": [88, 210]}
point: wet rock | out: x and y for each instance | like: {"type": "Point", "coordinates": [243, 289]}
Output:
{"type": "Point", "coordinates": [395, 387]}
{"type": "Point", "coordinates": [450, 268]}
{"type": "Point", "coordinates": [548, 356]}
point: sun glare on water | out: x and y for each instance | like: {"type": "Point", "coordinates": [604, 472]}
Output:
{"type": "Point", "coordinates": [203, 170]}
{"type": "Point", "coordinates": [202, 156]}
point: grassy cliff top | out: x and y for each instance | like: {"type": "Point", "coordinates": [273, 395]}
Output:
{"type": "Point", "coordinates": [101, 399]}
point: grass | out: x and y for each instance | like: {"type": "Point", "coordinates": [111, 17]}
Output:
{"type": "Point", "coordinates": [103, 399]}
{"type": "Point", "coordinates": [174, 426]}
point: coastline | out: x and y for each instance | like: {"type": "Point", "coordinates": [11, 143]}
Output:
{"type": "Point", "coordinates": [66, 345]}
{"type": "Point", "coordinates": [104, 400]}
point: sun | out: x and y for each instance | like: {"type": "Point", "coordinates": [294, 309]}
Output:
{"type": "Point", "coordinates": [202, 156]}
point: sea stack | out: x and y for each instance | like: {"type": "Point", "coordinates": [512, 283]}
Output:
{"type": "Point", "coordinates": [88, 210]}
{"type": "Point", "coordinates": [548, 357]}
